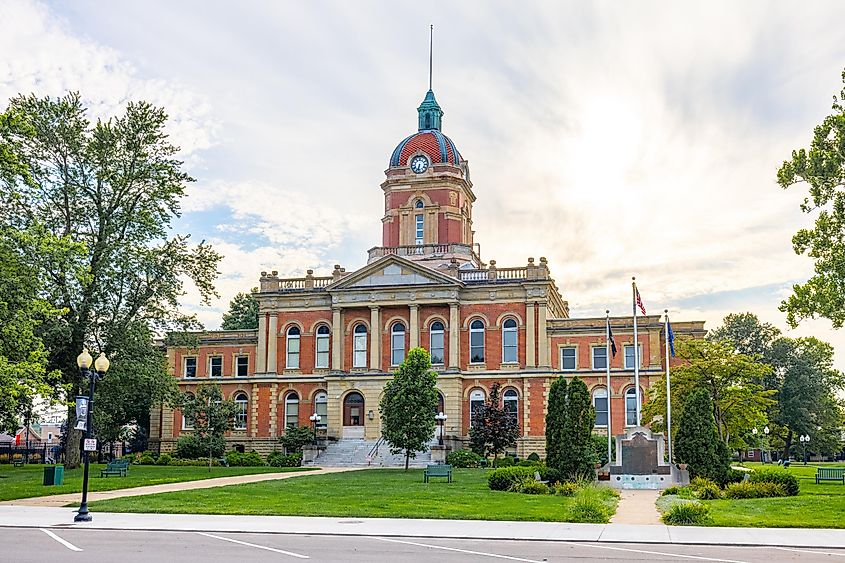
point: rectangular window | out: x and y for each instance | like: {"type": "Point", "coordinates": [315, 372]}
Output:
{"type": "Point", "coordinates": [190, 367]}
{"type": "Point", "coordinates": [359, 359]}
{"type": "Point", "coordinates": [476, 347]}
{"type": "Point", "coordinates": [629, 356]}
{"type": "Point", "coordinates": [292, 414]}
{"type": "Point", "coordinates": [437, 347]}
{"type": "Point", "coordinates": [567, 358]}
{"type": "Point", "coordinates": [240, 415]}
{"type": "Point", "coordinates": [322, 351]}
{"type": "Point", "coordinates": [397, 348]}
{"type": "Point", "coordinates": [600, 404]}
{"type": "Point", "coordinates": [293, 353]}
{"type": "Point", "coordinates": [418, 228]}
{"type": "Point", "coordinates": [600, 358]}
{"type": "Point", "coordinates": [242, 366]}
{"type": "Point", "coordinates": [215, 366]}
{"type": "Point", "coordinates": [509, 347]}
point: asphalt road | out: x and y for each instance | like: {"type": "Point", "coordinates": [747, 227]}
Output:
{"type": "Point", "coordinates": [18, 545]}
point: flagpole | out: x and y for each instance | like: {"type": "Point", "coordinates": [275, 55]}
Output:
{"type": "Point", "coordinates": [636, 350]}
{"type": "Point", "coordinates": [668, 389]}
{"type": "Point", "coordinates": [607, 370]}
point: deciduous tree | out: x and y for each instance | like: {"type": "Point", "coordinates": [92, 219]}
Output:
{"type": "Point", "coordinates": [242, 313]}
{"type": "Point", "coordinates": [209, 415]}
{"type": "Point", "coordinates": [494, 428]}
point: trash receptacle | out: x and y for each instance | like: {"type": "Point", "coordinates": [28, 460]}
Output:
{"type": "Point", "coordinates": [54, 474]}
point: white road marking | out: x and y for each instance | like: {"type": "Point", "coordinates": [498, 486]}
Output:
{"type": "Point", "coordinates": [65, 543]}
{"type": "Point", "coordinates": [459, 550]}
{"type": "Point", "coordinates": [811, 551]}
{"type": "Point", "coordinates": [282, 551]}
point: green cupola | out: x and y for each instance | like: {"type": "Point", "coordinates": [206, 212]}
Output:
{"type": "Point", "coordinates": [430, 113]}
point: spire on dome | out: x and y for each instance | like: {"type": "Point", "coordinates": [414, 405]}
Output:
{"type": "Point", "coordinates": [430, 114]}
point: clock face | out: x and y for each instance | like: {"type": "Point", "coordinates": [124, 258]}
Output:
{"type": "Point", "coordinates": [419, 164]}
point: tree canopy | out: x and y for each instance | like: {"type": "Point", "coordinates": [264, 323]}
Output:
{"type": "Point", "coordinates": [494, 428]}
{"type": "Point", "coordinates": [697, 442]}
{"type": "Point", "coordinates": [242, 313]}
{"type": "Point", "coordinates": [822, 168]}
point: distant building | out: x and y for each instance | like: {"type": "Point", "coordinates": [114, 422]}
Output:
{"type": "Point", "coordinates": [327, 344]}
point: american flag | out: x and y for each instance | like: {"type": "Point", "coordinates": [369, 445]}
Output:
{"type": "Point", "coordinates": [639, 300]}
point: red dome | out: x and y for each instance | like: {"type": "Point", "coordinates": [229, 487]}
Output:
{"type": "Point", "coordinates": [438, 147]}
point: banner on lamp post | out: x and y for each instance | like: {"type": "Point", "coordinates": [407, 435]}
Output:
{"type": "Point", "coordinates": [81, 413]}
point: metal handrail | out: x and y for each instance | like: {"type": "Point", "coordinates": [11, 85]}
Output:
{"type": "Point", "coordinates": [374, 450]}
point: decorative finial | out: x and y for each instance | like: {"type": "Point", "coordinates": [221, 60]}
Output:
{"type": "Point", "coordinates": [430, 54]}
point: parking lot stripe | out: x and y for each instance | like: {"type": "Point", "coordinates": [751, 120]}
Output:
{"type": "Point", "coordinates": [496, 555]}
{"type": "Point", "coordinates": [282, 551]}
{"type": "Point", "coordinates": [65, 543]}
{"type": "Point", "coordinates": [631, 550]}
{"type": "Point", "coordinates": [816, 551]}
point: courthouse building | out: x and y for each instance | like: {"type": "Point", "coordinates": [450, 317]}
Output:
{"type": "Point", "coordinates": [327, 344]}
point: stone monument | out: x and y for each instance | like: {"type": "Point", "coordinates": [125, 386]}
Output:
{"type": "Point", "coordinates": [640, 462]}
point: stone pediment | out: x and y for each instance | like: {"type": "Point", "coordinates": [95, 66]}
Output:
{"type": "Point", "coordinates": [393, 271]}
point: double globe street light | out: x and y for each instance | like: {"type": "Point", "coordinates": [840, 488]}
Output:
{"type": "Point", "coordinates": [101, 366]}
{"type": "Point", "coordinates": [440, 418]}
{"type": "Point", "coordinates": [804, 439]}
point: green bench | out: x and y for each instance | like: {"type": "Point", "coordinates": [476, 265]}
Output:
{"type": "Point", "coordinates": [830, 474]}
{"type": "Point", "coordinates": [438, 471]}
{"type": "Point", "coordinates": [115, 467]}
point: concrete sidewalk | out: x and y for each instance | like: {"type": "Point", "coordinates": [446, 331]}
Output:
{"type": "Point", "coordinates": [47, 517]}
{"type": "Point", "coordinates": [69, 498]}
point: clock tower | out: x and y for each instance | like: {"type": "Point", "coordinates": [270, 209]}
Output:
{"type": "Point", "coordinates": [428, 197]}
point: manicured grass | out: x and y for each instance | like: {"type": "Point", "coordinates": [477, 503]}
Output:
{"type": "Point", "coordinates": [816, 506]}
{"type": "Point", "coordinates": [26, 481]}
{"type": "Point", "coordinates": [366, 493]}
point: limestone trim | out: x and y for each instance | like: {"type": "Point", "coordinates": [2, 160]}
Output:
{"type": "Point", "coordinates": [350, 325]}
{"type": "Point", "coordinates": [274, 388]}
{"type": "Point", "coordinates": [337, 339]}
{"type": "Point", "coordinates": [505, 316]}
{"type": "Point", "coordinates": [561, 346]}
{"type": "Point", "coordinates": [261, 350]}
{"type": "Point", "coordinates": [388, 324]}
{"type": "Point", "coordinates": [454, 336]}
{"type": "Point", "coordinates": [543, 336]}
{"type": "Point", "coordinates": [530, 336]}
{"type": "Point", "coordinates": [426, 325]}
{"type": "Point", "coordinates": [476, 315]}
{"type": "Point", "coordinates": [272, 342]}
{"type": "Point", "coordinates": [252, 427]}
{"type": "Point", "coordinates": [375, 339]}
{"type": "Point", "coordinates": [414, 322]}
{"type": "Point", "coordinates": [316, 324]}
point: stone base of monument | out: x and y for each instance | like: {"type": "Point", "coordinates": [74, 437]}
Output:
{"type": "Point", "coordinates": [639, 462]}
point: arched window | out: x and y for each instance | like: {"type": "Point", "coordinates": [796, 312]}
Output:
{"type": "Point", "coordinates": [292, 410]}
{"type": "Point", "coordinates": [186, 425]}
{"type": "Point", "coordinates": [359, 346]}
{"type": "Point", "coordinates": [631, 407]}
{"type": "Point", "coordinates": [476, 342]}
{"type": "Point", "coordinates": [600, 404]}
{"type": "Point", "coordinates": [476, 401]}
{"type": "Point", "coordinates": [510, 402]}
{"type": "Point", "coordinates": [419, 204]}
{"type": "Point", "coordinates": [292, 361]}
{"type": "Point", "coordinates": [322, 347]}
{"type": "Point", "coordinates": [436, 342]}
{"type": "Point", "coordinates": [241, 401]}
{"type": "Point", "coordinates": [510, 339]}
{"type": "Point", "coordinates": [321, 407]}
{"type": "Point", "coordinates": [397, 344]}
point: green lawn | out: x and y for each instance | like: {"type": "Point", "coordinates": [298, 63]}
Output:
{"type": "Point", "coordinates": [816, 506]}
{"type": "Point", "coordinates": [366, 493]}
{"type": "Point", "coordinates": [26, 481]}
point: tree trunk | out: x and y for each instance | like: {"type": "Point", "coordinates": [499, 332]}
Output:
{"type": "Point", "coordinates": [787, 445]}
{"type": "Point", "coordinates": [72, 454]}
{"type": "Point", "coordinates": [407, 459]}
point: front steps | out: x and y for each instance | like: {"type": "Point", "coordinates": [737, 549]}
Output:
{"type": "Point", "coordinates": [354, 453]}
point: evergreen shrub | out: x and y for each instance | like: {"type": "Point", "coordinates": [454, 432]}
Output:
{"type": "Point", "coordinates": [565, 489]}
{"type": "Point", "coordinates": [200, 462]}
{"type": "Point", "coordinates": [164, 459]}
{"type": "Point", "coordinates": [504, 478]}
{"type": "Point", "coordinates": [503, 462]}
{"type": "Point", "coordinates": [783, 477]}
{"type": "Point", "coordinates": [533, 456]}
{"type": "Point", "coordinates": [251, 459]}
{"type": "Point", "coordinates": [754, 490]}
{"type": "Point", "coordinates": [463, 458]}
{"type": "Point", "coordinates": [735, 475]}
{"type": "Point", "coordinates": [532, 487]}
{"type": "Point", "coordinates": [146, 459]}
{"type": "Point", "coordinates": [697, 442]}
{"type": "Point", "coordinates": [278, 459]}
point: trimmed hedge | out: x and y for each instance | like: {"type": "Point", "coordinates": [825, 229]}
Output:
{"type": "Point", "coordinates": [783, 477]}
{"type": "Point", "coordinates": [278, 459]}
{"type": "Point", "coordinates": [179, 462]}
{"type": "Point", "coordinates": [164, 459]}
{"type": "Point", "coordinates": [531, 487]}
{"type": "Point", "coordinates": [754, 490]}
{"type": "Point", "coordinates": [504, 478]}
{"type": "Point", "coordinates": [146, 459]}
{"type": "Point", "coordinates": [463, 458]}
{"type": "Point", "coordinates": [503, 462]}
{"type": "Point", "coordinates": [251, 459]}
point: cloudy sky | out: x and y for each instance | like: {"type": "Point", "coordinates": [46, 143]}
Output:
{"type": "Point", "coordinates": [614, 138]}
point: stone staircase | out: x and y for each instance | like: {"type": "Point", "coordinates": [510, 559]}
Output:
{"type": "Point", "coordinates": [349, 452]}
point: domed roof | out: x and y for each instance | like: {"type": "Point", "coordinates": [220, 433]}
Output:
{"type": "Point", "coordinates": [438, 147]}
{"type": "Point", "coordinates": [429, 139]}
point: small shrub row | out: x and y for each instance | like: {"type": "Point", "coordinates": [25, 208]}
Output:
{"type": "Point", "coordinates": [504, 478]}
{"type": "Point", "coordinates": [783, 477]}
{"type": "Point", "coordinates": [250, 459]}
{"type": "Point", "coordinates": [754, 490]}
{"type": "Point", "coordinates": [278, 459]}
{"type": "Point", "coordinates": [199, 462]}
{"type": "Point", "coordinates": [503, 462]}
{"type": "Point", "coordinates": [590, 506]}
{"type": "Point", "coordinates": [565, 489]}
{"type": "Point", "coordinates": [687, 514]}
{"type": "Point", "coordinates": [463, 458]}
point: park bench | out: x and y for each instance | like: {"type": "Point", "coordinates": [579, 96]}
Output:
{"type": "Point", "coordinates": [539, 479]}
{"type": "Point", "coordinates": [438, 471]}
{"type": "Point", "coordinates": [115, 467]}
{"type": "Point", "coordinates": [18, 462]}
{"type": "Point", "coordinates": [830, 474]}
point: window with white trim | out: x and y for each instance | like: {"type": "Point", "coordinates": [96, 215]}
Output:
{"type": "Point", "coordinates": [322, 347]}
{"type": "Point", "coordinates": [631, 407]}
{"type": "Point", "coordinates": [397, 344]}
{"type": "Point", "coordinates": [510, 403]}
{"type": "Point", "coordinates": [215, 366]}
{"type": "Point", "coordinates": [190, 367]}
{"type": "Point", "coordinates": [476, 342]}
{"type": "Point", "coordinates": [510, 342]}
{"type": "Point", "coordinates": [292, 410]}
{"type": "Point", "coordinates": [418, 228]}
{"type": "Point", "coordinates": [629, 356]}
{"type": "Point", "coordinates": [321, 407]}
{"type": "Point", "coordinates": [241, 366]}
{"type": "Point", "coordinates": [600, 405]}
{"type": "Point", "coordinates": [241, 403]}
{"type": "Point", "coordinates": [437, 340]}
{"type": "Point", "coordinates": [359, 346]}
{"type": "Point", "coordinates": [600, 357]}
{"type": "Point", "coordinates": [567, 358]}
{"type": "Point", "coordinates": [292, 347]}
{"type": "Point", "coordinates": [476, 401]}
{"type": "Point", "coordinates": [185, 424]}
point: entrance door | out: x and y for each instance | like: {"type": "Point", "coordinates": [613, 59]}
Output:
{"type": "Point", "coordinates": [353, 410]}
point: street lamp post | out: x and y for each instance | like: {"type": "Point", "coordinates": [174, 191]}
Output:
{"type": "Point", "coordinates": [314, 418]}
{"type": "Point", "coordinates": [440, 418]}
{"type": "Point", "coordinates": [101, 366]}
{"type": "Point", "coordinates": [767, 454]}
{"type": "Point", "coordinates": [805, 439]}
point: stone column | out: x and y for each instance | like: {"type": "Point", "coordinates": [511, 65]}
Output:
{"type": "Point", "coordinates": [272, 341]}
{"type": "Point", "coordinates": [261, 352]}
{"type": "Point", "coordinates": [375, 338]}
{"type": "Point", "coordinates": [415, 326]}
{"type": "Point", "coordinates": [454, 336]}
{"type": "Point", "coordinates": [337, 339]}
{"type": "Point", "coordinates": [542, 336]}
{"type": "Point", "coordinates": [530, 333]}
